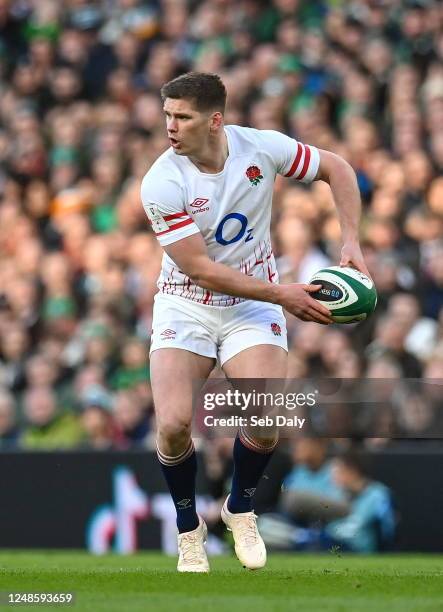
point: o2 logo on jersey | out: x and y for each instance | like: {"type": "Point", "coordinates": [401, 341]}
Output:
{"type": "Point", "coordinates": [233, 222]}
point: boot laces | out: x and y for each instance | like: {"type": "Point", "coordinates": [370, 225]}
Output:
{"type": "Point", "coordinates": [190, 547]}
{"type": "Point", "coordinates": [248, 529]}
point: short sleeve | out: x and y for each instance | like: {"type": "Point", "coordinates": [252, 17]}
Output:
{"type": "Point", "coordinates": [164, 206]}
{"type": "Point", "coordinates": [292, 158]}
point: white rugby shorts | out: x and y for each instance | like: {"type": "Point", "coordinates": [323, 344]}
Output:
{"type": "Point", "coordinates": [215, 331]}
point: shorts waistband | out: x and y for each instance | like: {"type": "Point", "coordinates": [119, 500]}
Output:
{"type": "Point", "coordinates": [183, 300]}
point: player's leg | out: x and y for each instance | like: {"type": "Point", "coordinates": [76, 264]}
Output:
{"type": "Point", "coordinates": [254, 346]}
{"type": "Point", "coordinates": [183, 349]}
{"type": "Point", "coordinates": [253, 448]}
{"type": "Point", "coordinates": [251, 456]}
{"type": "Point", "coordinates": [173, 371]}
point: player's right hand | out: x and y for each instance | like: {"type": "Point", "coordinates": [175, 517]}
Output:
{"type": "Point", "coordinates": [295, 299]}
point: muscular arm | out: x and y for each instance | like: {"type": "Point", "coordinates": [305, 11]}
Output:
{"type": "Point", "coordinates": [191, 257]}
{"type": "Point", "coordinates": [343, 182]}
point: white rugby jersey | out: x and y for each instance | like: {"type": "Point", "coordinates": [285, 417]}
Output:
{"type": "Point", "coordinates": [231, 209]}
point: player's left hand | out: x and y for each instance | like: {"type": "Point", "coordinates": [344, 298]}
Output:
{"type": "Point", "coordinates": [352, 256]}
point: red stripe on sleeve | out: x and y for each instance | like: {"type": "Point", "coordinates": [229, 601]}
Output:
{"type": "Point", "coordinates": [176, 226]}
{"type": "Point", "coordinates": [296, 160]}
{"type": "Point", "coordinates": [306, 163]}
{"type": "Point", "coordinates": [175, 216]}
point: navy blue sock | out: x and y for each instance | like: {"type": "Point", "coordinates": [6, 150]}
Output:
{"type": "Point", "coordinates": [250, 461]}
{"type": "Point", "coordinates": [180, 473]}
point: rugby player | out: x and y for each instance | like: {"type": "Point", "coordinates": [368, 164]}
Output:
{"type": "Point", "coordinates": [208, 199]}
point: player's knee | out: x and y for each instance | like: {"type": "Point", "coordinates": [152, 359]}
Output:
{"type": "Point", "coordinates": [267, 441]}
{"type": "Point", "coordinates": [174, 432]}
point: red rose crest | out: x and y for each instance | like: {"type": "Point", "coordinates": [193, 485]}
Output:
{"type": "Point", "coordinates": [254, 174]}
{"type": "Point", "coordinates": [276, 329]}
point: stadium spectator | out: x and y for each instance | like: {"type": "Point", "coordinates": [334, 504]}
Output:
{"type": "Point", "coordinates": [389, 340]}
{"type": "Point", "coordinates": [96, 418]}
{"type": "Point", "coordinates": [336, 343]}
{"type": "Point", "coordinates": [14, 347]}
{"type": "Point", "coordinates": [40, 372]}
{"type": "Point", "coordinates": [48, 427]}
{"type": "Point", "coordinates": [369, 525]}
{"type": "Point", "coordinates": [133, 369]}
{"type": "Point", "coordinates": [309, 494]}
{"type": "Point", "coordinates": [422, 333]}
{"type": "Point", "coordinates": [415, 413]}
{"type": "Point", "coordinates": [131, 419]}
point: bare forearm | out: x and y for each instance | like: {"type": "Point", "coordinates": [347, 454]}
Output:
{"type": "Point", "coordinates": [343, 182]}
{"type": "Point", "coordinates": [223, 279]}
{"type": "Point", "coordinates": [344, 187]}
{"type": "Point", "coordinates": [294, 298]}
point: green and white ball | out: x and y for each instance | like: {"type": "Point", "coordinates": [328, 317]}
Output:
{"type": "Point", "coordinates": [349, 295]}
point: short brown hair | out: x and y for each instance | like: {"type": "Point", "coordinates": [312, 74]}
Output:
{"type": "Point", "coordinates": [206, 90]}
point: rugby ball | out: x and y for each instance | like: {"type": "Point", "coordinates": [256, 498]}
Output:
{"type": "Point", "coordinates": [349, 295]}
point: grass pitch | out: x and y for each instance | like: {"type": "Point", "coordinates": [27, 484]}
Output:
{"type": "Point", "coordinates": [148, 581]}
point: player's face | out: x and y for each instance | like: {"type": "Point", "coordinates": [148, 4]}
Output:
{"type": "Point", "coordinates": [188, 129]}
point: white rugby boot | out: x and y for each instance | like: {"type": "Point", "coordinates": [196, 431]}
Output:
{"type": "Point", "coordinates": [191, 551]}
{"type": "Point", "coordinates": [249, 546]}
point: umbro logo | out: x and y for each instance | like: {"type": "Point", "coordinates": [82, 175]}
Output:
{"type": "Point", "coordinates": [168, 334]}
{"type": "Point", "coordinates": [249, 492]}
{"type": "Point", "coordinates": [184, 504]}
{"type": "Point", "coordinates": [199, 205]}
{"type": "Point", "coordinates": [199, 202]}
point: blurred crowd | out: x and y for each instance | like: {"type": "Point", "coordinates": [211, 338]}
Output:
{"type": "Point", "coordinates": [81, 122]}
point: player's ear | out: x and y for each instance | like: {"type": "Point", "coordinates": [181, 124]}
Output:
{"type": "Point", "coordinates": [215, 121]}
